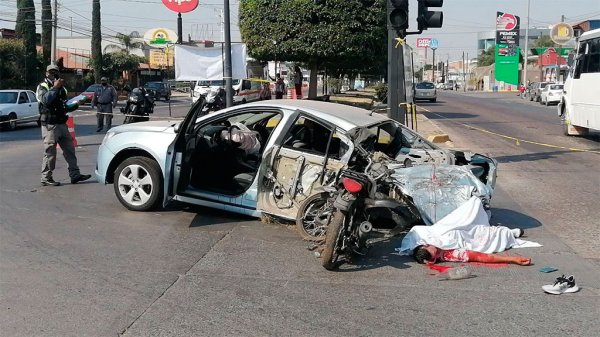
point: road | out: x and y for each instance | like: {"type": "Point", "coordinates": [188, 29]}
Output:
{"type": "Point", "coordinates": [556, 179]}
{"type": "Point", "coordinates": [74, 262]}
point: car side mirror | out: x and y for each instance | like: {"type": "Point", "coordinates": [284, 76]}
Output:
{"type": "Point", "coordinates": [177, 127]}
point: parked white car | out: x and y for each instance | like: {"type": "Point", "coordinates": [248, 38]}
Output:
{"type": "Point", "coordinates": [551, 93]}
{"type": "Point", "coordinates": [17, 107]}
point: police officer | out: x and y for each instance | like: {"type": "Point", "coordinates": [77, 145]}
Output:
{"type": "Point", "coordinates": [52, 96]}
{"type": "Point", "coordinates": [105, 98]}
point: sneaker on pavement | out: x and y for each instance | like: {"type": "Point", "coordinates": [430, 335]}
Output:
{"type": "Point", "coordinates": [50, 182]}
{"type": "Point", "coordinates": [562, 285]}
{"type": "Point", "coordinates": [81, 177]}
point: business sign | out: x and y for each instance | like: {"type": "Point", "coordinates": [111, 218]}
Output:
{"type": "Point", "coordinates": [507, 28]}
{"type": "Point", "coordinates": [160, 37]}
{"type": "Point", "coordinates": [161, 58]}
{"type": "Point", "coordinates": [181, 6]}
{"type": "Point", "coordinates": [423, 42]}
{"type": "Point", "coordinates": [561, 33]}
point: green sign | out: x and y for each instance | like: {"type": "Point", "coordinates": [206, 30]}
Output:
{"type": "Point", "coordinates": [507, 64]}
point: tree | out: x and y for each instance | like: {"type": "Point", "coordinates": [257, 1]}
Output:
{"type": "Point", "coordinates": [487, 57]}
{"type": "Point", "coordinates": [96, 60]}
{"type": "Point", "coordinates": [127, 43]}
{"type": "Point", "coordinates": [344, 36]}
{"type": "Point", "coordinates": [11, 64]}
{"type": "Point", "coordinates": [544, 41]}
{"type": "Point", "coordinates": [46, 31]}
{"type": "Point", "coordinates": [25, 29]}
{"type": "Point", "coordinates": [114, 64]}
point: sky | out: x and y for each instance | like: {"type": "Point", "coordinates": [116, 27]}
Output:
{"type": "Point", "coordinates": [462, 18]}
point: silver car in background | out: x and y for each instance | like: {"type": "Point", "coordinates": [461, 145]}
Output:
{"type": "Point", "coordinates": [425, 91]}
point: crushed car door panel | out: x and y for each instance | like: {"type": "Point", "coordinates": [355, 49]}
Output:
{"type": "Point", "coordinates": [310, 157]}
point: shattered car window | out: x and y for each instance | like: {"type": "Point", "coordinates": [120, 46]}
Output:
{"type": "Point", "coordinates": [390, 138]}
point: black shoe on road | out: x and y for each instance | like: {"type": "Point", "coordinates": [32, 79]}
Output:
{"type": "Point", "coordinates": [81, 177]}
{"type": "Point", "coordinates": [50, 182]}
{"type": "Point", "coordinates": [99, 130]}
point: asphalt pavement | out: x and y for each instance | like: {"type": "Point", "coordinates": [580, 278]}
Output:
{"type": "Point", "coordinates": [74, 262]}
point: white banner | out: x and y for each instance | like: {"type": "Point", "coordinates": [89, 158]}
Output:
{"type": "Point", "coordinates": [199, 63]}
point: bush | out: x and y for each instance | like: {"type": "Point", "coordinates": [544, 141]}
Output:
{"type": "Point", "coordinates": [12, 54]}
{"type": "Point", "coordinates": [381, 90]}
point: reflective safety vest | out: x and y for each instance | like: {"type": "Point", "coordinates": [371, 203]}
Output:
{"type": "Point", "coordinates": [54, 113]}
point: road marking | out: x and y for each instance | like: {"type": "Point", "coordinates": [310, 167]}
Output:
{"type": "Point", "coordinates": [517, 141]}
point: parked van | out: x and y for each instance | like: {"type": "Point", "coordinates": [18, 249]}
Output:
{"type": "Point", "coordinates": [248, 90]}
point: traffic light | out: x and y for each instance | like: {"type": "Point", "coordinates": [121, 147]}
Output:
{"type": "Point", "coordinates": [398, 14]}
{"type": "Point", "coordinates": [427, 18]}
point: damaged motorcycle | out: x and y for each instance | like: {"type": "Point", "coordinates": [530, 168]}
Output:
{"type": "Point", "coordinates": [366, 202]}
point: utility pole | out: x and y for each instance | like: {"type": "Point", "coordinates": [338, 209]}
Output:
{"type": "Point", "coordinates": [54, 21]}
{"type": "Point", "coordinates": [465, 79]}
{"type": "Point", "coordinates": [526, 52]}
{"type": "Point", "coordinates": [433, 67]}
{"type": "Point", "coordinates": [463, 69]}
{"type": "Point", "coordinates": [228, 73]}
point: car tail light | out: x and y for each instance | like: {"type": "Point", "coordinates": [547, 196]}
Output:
{"type": "Point", "coordinates": [352, 185]}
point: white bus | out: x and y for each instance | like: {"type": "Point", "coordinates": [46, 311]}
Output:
{"type": "Point", "coordinates": [580, 104]}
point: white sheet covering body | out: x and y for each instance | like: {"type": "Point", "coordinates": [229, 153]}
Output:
{"type": "Point", "coordinates": [466, 227]}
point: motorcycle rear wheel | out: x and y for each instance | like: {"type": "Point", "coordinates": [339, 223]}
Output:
{"type": "Point", "coordinates": [333, 239]}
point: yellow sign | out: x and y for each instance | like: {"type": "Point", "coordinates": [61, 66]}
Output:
{"type": "Point", "coordinates": [561, 33]}
{"type": "Point", "coordinates": [159, 37]}
{"type": "Point", "coordinates": [161, 58]}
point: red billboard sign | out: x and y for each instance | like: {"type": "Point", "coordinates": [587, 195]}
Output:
{"type": "Point", "coordinates": [507, 28]}
{"type": "Point", "coordinates": [423, 42]}
{"type": "Point", "coordinates": [181, 6]}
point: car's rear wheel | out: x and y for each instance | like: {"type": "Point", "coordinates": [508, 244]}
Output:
{"type": "Point", "coordinates": [313, 216]}
{"type": "Point", "coordinates": [138, 183]}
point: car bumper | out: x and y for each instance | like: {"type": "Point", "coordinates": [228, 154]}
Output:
{"type": "Point", "coordinates": [105, 156]}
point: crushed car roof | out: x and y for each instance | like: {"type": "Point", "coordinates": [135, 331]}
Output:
{"type": "Point", "coordinates": [344, 116]}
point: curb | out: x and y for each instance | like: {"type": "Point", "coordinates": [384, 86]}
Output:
{"type": "Point", "coordinates": [438, 138]}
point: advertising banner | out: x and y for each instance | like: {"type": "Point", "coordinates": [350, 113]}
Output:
{"type": "Point", "coordinates": [196, 63]}
{"type": "Point", "coordinates": [507, 28]}
{"type": "Point", "coordinates": [423, 42]}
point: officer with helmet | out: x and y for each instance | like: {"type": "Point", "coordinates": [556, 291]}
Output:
{"type": "Point", "coordinates": [52, 97]}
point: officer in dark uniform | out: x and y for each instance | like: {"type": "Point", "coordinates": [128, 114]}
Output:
{"type": "Point", "coordinates": [52, 97]}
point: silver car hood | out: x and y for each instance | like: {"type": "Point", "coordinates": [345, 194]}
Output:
{"type": "Point", "coordinates": [150, 126]}
{"type": "Point", "coordinates": [438, 190]}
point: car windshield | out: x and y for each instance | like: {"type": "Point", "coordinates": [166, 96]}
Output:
{"type": "Point", "coordinates": [390, 138]}
{"type": "Point", "coordinates": [8, 97]}
{"type": "Point", "coordinates": [425, 85]}
{"type": "Point", "coordinates": [556, 87]}
{"type": "Point", "coordinates": [152, 85]}
{"type": "Point", "coordinates": [92, 88]}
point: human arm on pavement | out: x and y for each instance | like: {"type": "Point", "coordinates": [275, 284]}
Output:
{"type": "Point", "coordinates": [474, 256]}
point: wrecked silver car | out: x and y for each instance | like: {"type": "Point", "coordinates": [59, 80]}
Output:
{"type": "Point", "coordinates": [265, 157]}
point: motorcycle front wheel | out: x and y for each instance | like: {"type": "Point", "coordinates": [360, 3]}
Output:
{"type": "Point", "coordinates": [333, 241]}
{"type": "Point", "coordinates": [313, 216]}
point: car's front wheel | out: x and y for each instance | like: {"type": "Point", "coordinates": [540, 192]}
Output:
{"type": "Point", "coordinates": [138, 183]}
{"type": "Point", "coordinates": [12, 121]}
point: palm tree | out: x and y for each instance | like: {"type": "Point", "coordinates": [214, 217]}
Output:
{"type": "Point", "coordinates": [127, 42]}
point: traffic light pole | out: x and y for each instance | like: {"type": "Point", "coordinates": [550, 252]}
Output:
{"type": "Point", "coordinates": [396, 80]}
